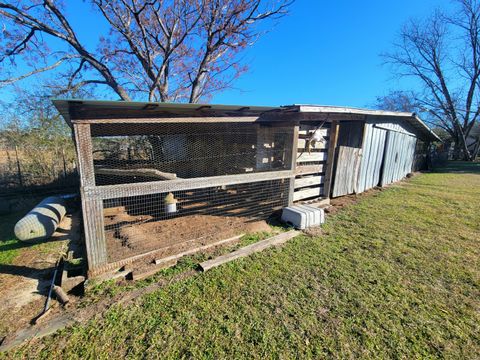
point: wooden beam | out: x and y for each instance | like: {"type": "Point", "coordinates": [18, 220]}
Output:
{"type": "Point", "coordinates": [93, 224]}
{"type": "Point", "coordinates": [331, 158]}
{"type": "Point", "coordinates": [92, 209]}
{"type": "Point", "coordinates": [312, 157]}
{"type": "Point", "coordinates": [176, 120]}
{"type": "Point", "coordinates": [307, 193]}
{"type": "Point", "coordinates": [83, 142]}
{"type": "Point", "coordinates": [307, 130]}
{"type": "Point", "coordinates": [115, 266]}
{"type": "Point", "coordinates": [146, 172]}
{"type": "Point", "coordinates": [308, 181]}
{"type": "Point", "coordinates": [174, 258]}
{"type": "Point", "coordinates": [309, 169]}
{"type": "Point", "coordinates": [250, 249]}
{"type": "Point", "coordinates": [155, 187]}
{"type": "Point", "coordinates": [293, 165]}
{"type": "Point", "coordinates": [313, 117]}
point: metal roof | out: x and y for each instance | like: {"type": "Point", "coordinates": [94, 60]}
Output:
{"type": "Point", "coordinates": [411, 118]}
{"type": "Point", "coordinates": [64, 106]}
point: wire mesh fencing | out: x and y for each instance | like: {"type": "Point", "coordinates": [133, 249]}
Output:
{"type": "Point", "coordinates": [177, 186]}
{"type": "Point", "coordinates": [25, 167]}
{"type": "Point", "coordinates": [180, 219]}
{"type": "Point", "coordinates": [153, 152]}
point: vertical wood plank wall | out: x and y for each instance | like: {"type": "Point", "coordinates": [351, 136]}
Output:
{"type": "Point", "coordinates": [334, 129]}
{"type": "Point", "coordinates": [346, 174]}
{"type": "Point", "coordinates": [311, 164]}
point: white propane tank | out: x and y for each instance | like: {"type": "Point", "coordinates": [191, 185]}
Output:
{"type": "Point", "coordinates": [42, 221]}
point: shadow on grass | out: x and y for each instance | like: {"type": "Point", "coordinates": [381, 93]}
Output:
{"type": "Point", "coordinates": [9, 245]}
{"type": "Point", "coordinates": [458, 167]}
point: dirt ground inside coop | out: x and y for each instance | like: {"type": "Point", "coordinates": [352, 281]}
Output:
{"type": "Point", "coordinates": [129, 235]}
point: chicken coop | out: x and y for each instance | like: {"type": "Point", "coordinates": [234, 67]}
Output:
{"type": "Point", "coordinates": [159, 179]}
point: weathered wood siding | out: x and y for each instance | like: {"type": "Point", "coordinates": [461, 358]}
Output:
{"type": "Point", "coordinates": [372, 157]}
{"type": "Point", "coordinates": [348, 161]}
{"type": "Point", "coordinates": [310, 163]}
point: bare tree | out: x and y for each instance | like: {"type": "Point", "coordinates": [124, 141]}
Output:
{"type": "Point", "coordinates": [404, 101]}
{"type": "Point", "coordinates": [443, 53]}
{"type": "Point", "coordinates": [162, 50]}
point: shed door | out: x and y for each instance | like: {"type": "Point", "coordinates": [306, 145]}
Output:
{"type": "Point", "coordinates": [348, 158]}
{"type": "Point", "coordinates": [372, 157]}
{"type": "Point", "coordinates": [399, 156]}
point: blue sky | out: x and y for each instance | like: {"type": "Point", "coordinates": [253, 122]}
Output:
{"type": "Point", "coordinates": [327, 52]}
{"type": "Point", "coordinates": [323, 52]}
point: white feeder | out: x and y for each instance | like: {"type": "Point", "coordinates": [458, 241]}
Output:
{"type": "Point", "coordinates": [170, 204]}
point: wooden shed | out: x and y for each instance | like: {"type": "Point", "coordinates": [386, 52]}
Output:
{"type": "Point", "coordinates": [160, 179]}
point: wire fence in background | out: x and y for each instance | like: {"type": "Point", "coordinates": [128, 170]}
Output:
{"type": "Point", "coordinates": [36, 167]}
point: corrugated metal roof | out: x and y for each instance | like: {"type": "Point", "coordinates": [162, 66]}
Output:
{"type": "Point", "coordinates": [411, 118]}
{"type": "Point", "coordinates": [64, 106]}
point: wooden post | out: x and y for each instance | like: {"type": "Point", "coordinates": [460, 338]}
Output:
{"type": "Point", "coordinates": [19, 169]}
{"type": "Point", "coordinates": [92, 206]}
{"type": "Point", "coordinates": [358, 168]}
{"type": "Point", "coordinates": [94, 230]}
{"type": "Point", "coordinates": [84, 148]}
{"type": "Point", "coordinates": [64, 164]}
{"type": "Point", "coordinates": [293, 164]}
{"type": "Point", "coordinates": [331, 158]}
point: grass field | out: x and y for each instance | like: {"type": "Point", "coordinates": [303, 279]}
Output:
{"type": "Point", "coordinates": [10, 247]}
{"type": "Point", "coordinates": [396, 275]}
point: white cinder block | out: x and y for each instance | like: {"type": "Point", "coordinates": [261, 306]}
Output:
{"type": "Point", "coordinates": [303, 216]}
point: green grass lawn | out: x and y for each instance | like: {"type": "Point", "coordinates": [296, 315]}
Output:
{"type": "Point", "coordinates": [9, 246]}
{"type": "Point", "coordinates": [396, 275]}
{"type": "Point", "coordinates": [11, 249]}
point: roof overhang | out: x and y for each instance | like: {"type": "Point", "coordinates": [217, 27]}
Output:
{"type": "Point", "coordinates": [74, 110]}
{"type": "Point", "coordinates": [411, 118]}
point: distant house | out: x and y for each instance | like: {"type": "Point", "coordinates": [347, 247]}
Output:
{"type": "Point", "coordinates": [161, 179]}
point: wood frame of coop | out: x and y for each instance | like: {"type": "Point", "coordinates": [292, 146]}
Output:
{"type": "Point", "coordinates": [336, 167]}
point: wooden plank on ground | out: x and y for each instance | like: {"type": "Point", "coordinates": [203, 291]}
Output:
{"type": "Point", "coordinates": [197, 249]}
{"type": "Point", "coordinates": [307, 193]}
{"type": "Point", "coordinates": [248, 250]}
{"type": "Point", "coordinates": [308, 181]}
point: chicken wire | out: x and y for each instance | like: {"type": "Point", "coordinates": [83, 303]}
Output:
{"type": "Point", "coordinates": [180, 219]}
{"type": "Point", "coordinates": [125, 154]}
{"type": "Point", "coordinates": [152, 152]}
